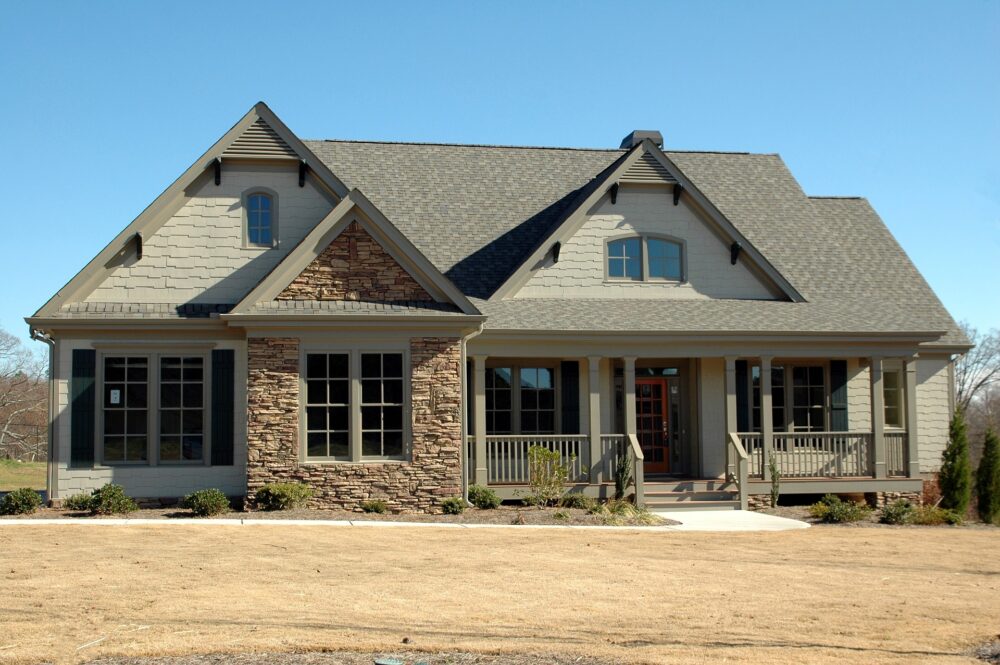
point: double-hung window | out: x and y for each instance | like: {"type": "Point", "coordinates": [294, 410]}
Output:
{"type": "Point", "coordinates": [182, 409]}
{"type": "Point", "coordinates": [520, 400]}
{"type": "Point", "coordinates": [645, 259]}
{"type": "Point", "coordinates": [892, 394]}
{"type": "Point", "coordinates": [808, 398]}
{"type": "Point", "coordinates": [260, 212]}
{"type": "Point", "coordinates": [126, 409]}
{"type": "Point", "coordinates": [777, 397]}
{"type": "Point", "coordinates": [355, 406]}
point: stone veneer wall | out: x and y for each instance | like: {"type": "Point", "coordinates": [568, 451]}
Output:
{"type": "Point", "coordinates": [354, 267]}
{"type": "Point", "coordinates": [433, 471]}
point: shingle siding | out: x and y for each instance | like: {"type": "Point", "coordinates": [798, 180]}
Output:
{"type": "Point", "coordinates": [933, 409]}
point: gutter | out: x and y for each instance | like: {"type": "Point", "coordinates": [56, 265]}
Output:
{"type": "Point", "coordinates": [465, 411]}
{"type": "Point", "coordinates": [50, 482]}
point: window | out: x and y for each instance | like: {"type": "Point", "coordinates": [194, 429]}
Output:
{"type": "Point", "coordinates": [808, 399]}
{"type": "Point", "coordinates": [328, 402]}
{"type": "Point", "coordinates": [645, 258]}
{"type": "Point", "coordinates": [126, 409]}
{"type": "Point", "coordinates": [664, 259]}
{"type": "Point", "coordinates": [382, 404]}
{"type": "Point", "coordinates": [260, 211]}
{"type": "Point", "coordinates": [355, 406]}
{"type": "Point", "coordinates": [538, 401]}
{"type": "Point", "coordinates": [625, 259]}
{"type": "Point", "coordinates": [499, 400]}
{"type": "Point", "coordinates": [777, 397]}
{"type": "Point", "coordinates": [892, 392]}
{"type": "Point", "coordinates": [182, 409]}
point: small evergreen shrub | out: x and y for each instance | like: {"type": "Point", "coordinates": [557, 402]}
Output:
{"type": "Point", "coordinates": [623, 471]}
{"type": "Point", "coordinates": [955, 477]}
{"type": "Point", "coordinates": [80, 502]}
{"type": "Point", "coordinates": [897, 512]}
{"type": "Point", "coordinates": [620, 512]}
{"type": "Point", "coordinates": [988, 480]}
{"type": "Point", "coordinates": [22, 501]}
{"type": "Point", "coordinates": [560, 515]}
{"type": "Point", "coordinates": [775, 471]}
{"type": "Point", "coordinates": [112, 500]}
{"type": "Point", "coordinates": [206, 502]}
{"type": "Point", "coordinates": [832, 510]}
{"type": "Point", "coordinates": [283, 496]}
{"type": "Point", "coordinates": [577, 500]}
{"type": "Point", "coordinates": [547, 475]}
{"type": "Point", "coordinates": [377, 506]}
{"type": "Point", "coordinates": [453, 505]}
{"type": "Point", "coordinates": [483, 497]}
{"type": "Point", "coordinates": [935, 515]}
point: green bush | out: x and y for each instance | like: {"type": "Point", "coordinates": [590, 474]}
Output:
{"type": "Point", "coordinates": [623, 470]}
{"type": "Point", "coordinates": [283, 496]}
{"type": "Point", "coordinates": [483, 497]}
{"type": "Point", "coordinates": [560, 515]}
{"type": "Point", "coordinates": [22, 501]}
{"type": "Point", "coordinates": [453, 505]}
{"type": "Point", "coordinates": [378, 506]}
{"type": "Point", "coordinates": [935, 515]}
{"type": "Point", "coordinates": [897, 512]}
{"type": "Point", "coordinates": [206, 502]}
{"type": "Point", "coordinates": [81, 502]}
{"type": "Point", "coordinates": [619, 512]}
{"type": "Point", "coordinates": [833, 510]}
{"type": "Point", "coordinates": [988, 480]}
{"type": "Point", "coordinates": [955, 477]}
{"type": "Point", "coordinates": [547, 475]}
{"type": "Point", "coordinates": [112, 500]}
{"type": "Point", "coordinates": [775, 471]}
{"type": "Point", "coordinates": [577, 500]}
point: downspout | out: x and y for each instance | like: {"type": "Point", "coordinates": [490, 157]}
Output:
{"type": "Point", "coordinates": [45, 338]}
{"type": "Point", "coordinates": [465, 411]}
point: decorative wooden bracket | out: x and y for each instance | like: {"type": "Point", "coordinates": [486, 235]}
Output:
{"type": "Point", "coordinates": [138, 246]}
{"type": "Point", "coordinates": [218, 171]}
{"type": "Point", "coordinates": [614, 193]}
{"type": "Point", "coordinates": [734, 252]}
{"type": "Point", "coordinates": [555, 252]}
{"type": "Point", "coordinates": [678, 190]}
{"type": "Point", "coordinates": [302, 173]}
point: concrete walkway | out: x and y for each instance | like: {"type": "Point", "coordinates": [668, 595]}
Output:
{"type": "Point", "coordinates": [728, 520]}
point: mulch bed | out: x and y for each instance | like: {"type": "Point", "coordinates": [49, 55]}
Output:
{"type": "Point", "coordinates": [357, 658]}
{"type": "Point", "coordinates": [801, 513]}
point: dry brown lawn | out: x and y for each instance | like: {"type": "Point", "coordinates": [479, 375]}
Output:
{"type": "Point", "coordinates": [69, 593]}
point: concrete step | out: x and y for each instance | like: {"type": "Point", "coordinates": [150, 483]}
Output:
{"type": "Point", "coordinates": [704, 495]}
{"type": "Point", "coordinates": [655, 506]}
{"type": "Point", "coordinates": [690, 485]}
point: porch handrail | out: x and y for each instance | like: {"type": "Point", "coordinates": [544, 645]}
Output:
{"type": "Point", "coordinates": [737, 465]}
{"type": "Point", "coordinates": [637, 473]}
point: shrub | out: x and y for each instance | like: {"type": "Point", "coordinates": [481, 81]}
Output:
{"type": "Point", "coordinates": [483, 497]}
{"type": "Point", "coordinates": [453, 505]}
{"type": "Point", "coordinates": [935, 515]}
{"type": "Point", "coordinates": [897, 512]}
{"type": "Point", "coordinates": [988, 480]}
{"type": "Point", "coordinates": [618, 512]}
{"type": "Point", "coordinates": [833, 510]}
{"type": "Point", "coordinates": [378, 506]}
{"type": "Point", "coordinates": [22, 501]}
{"type": "Point", "coordinates": [81, 501]}
{"type": "Point", "coordinates": [576, 500]}
{"type": "Point", "coordinates": [623, 471]}
{"type": "Point", "coordinates": [283, 496]}
{"type": "Point", "coordinates": [112, 500]}
{"type": "Point", "coordinates": [206, 502]}
{"type": "Point", "coordinates": [955, 477]}
{"type": "Point", "coordinates": [547, 475]}
{"type": "Point", "coordinates": [775, 471]}
{"type": "Point", "coordinates": [560, 515]}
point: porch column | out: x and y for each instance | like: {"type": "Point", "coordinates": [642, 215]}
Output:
{"type": "Point", "coordinates": [878, 416]}
{"type": "Point", "coordinates": [629, 394]}
{"type": "Point", "coordinates": [910, 393]}
{"type": "Point", "coordinates": [766, 417]}
{"type": "Point", "coordinates": [594, 389]}
{"type": "Point", "coordinates": [479, 385]}
{"type": "Point", "coordinates": [730, 394]}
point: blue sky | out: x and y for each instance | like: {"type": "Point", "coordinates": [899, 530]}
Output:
{"type": "Point", "coordinates": [106, 103]}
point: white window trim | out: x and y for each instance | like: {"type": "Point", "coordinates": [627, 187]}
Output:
{"type": "Point", "coordinates": [244, 206]}
{"type": "Point", "coordinates": [644, 276]}
{"type": "Point", "coordinates": [354, 354]}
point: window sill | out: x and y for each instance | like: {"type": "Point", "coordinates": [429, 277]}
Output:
{"type": "Point", "coordinates": [329, 462]}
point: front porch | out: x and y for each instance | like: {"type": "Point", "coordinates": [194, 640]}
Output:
{"type": "Point", "coordinates": [698, 431]}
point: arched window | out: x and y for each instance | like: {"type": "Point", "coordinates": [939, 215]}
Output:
{"type": "Point", "coordinates": [260, 219]}
{"type": "Point", "coordinates": [645, 258]}
{"type": "Point", "coordinates": [625, 259]}
{"type": "Point", "coordinates": [664, 259]}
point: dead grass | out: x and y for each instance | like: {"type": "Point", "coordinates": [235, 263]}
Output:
{"type": "Point", "coordinates": [14, 474]}
{"type": "Point", "coordinates": [72, 593]}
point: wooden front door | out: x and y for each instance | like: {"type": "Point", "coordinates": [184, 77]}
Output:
{"type": "Point", "coordinates": [652, 425]}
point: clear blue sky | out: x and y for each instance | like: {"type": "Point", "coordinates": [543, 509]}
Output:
{"type": "Point", "coordinates": [105, 103]}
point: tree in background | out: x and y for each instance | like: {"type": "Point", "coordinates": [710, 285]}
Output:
{"type": "Point", "coordinates": [23, 401]}
{"type": "Point", "coordinates": [955, 477]}
{"type": "Point", "coordinates": [979, 368]}
{"type": "Point", "coordinates": [988, 479]}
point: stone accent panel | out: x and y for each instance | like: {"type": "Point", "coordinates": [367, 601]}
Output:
{"type": "Point", "coordinates": [354, 267]}
{"type": "Point", "coordinates": [433, 471]}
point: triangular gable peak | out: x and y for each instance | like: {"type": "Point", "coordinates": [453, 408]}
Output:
{"type": "Point", "coordinates": [356, 253]}
{"type": "Point", "coordinates": [259, 135]}
{"type": "Point", "coordinates": [644, 164]}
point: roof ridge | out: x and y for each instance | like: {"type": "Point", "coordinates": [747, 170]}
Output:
{"type": "Point", "coordinates": [834, 197]}
{"type": "Point", "coordinates": [466, 145]}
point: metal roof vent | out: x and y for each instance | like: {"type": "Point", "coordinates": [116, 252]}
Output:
{"type": "Point", "coordinates": [637, 136]}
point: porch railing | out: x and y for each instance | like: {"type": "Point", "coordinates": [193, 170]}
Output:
{"type": "Point", "coordinates": [507, 455]}
{"type": "Point", "coordinates": [737, 466]}
{"type": "Point", "coordinates": [753, 444]}
{"type": "Point", "coordinates": [814, 454]}
{"type": "Point", "coordinates": [638, 476]}
{"type": "Point", "coordinates": [610, 444]}
{"type": "Point", "coordinates": [896, 446]}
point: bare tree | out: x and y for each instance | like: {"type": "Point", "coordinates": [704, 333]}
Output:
{"type": "Point", "coordinates": [979, 368]}
{"type": "Point", "coordinates": [23, 401]}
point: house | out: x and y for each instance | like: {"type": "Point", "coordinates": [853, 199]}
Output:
{"type": "Point", "coordinates": [400, 320]}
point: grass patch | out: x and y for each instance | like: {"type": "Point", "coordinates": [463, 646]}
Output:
{"type": "Point", "coordinates": [14, 474]}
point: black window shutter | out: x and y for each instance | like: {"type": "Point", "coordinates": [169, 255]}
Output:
{"type": "Point", "coordinates": [838, 395]}
{"type": "Point", "coordinates": [82, 395]}
{"type": "Point", "coordinates": [570, 370]}
{"type": "Point", "coordinates": [223, 385]}
{"type": "Point", "coordinates": [742, 397]}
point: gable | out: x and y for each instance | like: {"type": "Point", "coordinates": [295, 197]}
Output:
{"type": "Point", "coordinates": [260, 140]}
{"type": "Point", "coordinates": [647, 170]}
{"type": "Point", "coordinates": [644, 211]}
{"type": "Point", "coordinates": [354, 266]}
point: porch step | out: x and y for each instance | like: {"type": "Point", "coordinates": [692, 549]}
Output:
{"type": "Point", "coordinates": [692, 494]}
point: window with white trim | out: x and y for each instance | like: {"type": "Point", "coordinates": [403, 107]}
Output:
{"type": "Point", "coordinates": [645, 258]}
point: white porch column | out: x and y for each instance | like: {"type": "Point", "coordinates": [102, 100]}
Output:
{"type": "Point", "coordinates": [594, 389]}
{"type": "Point", "coordinates": [910, 393]}
{"type": "Point", "coordinates": [878, 417]}
{"type": "Point", "coordinates": [479, 385]}
{"type": "Point", "coordinates": [766, 417]}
